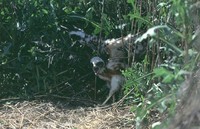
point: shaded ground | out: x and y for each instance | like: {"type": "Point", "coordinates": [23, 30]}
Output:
{"type": "Point", "coordinates": [65, 113]}
{"type": "Point", "coordinates": [47, 115]}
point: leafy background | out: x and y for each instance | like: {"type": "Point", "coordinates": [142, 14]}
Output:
{"type": "Point", "coordinates": [39, 57]}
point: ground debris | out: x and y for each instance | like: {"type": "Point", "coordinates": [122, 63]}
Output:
{"type": "Point", "coordinates": [39, 114]}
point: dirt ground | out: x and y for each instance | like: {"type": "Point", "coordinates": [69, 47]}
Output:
{"type": "Point", "coordinates": [38, 114]}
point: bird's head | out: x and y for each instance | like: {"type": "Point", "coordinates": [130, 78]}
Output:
{"type": "Point", "coordinates": [98, 64]}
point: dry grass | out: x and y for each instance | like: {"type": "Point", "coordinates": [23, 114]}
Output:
{"type": "Point", "coordinates": [48, 115]}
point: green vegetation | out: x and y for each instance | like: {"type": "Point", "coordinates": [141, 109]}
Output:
{"type": "Point", "coordinates": [38, 57]}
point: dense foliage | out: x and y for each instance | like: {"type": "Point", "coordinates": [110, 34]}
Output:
{"type": "Point", "coordinates": [37, 54]}
{"type": "Point", "coordinates": [39, 57]}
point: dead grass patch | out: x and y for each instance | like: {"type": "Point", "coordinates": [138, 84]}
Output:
{"type": "Point", "coordinates": [48, 115]}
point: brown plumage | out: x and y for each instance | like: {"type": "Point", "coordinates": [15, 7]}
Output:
{"type": "Point", "coordinates": [111, 72]}
{"type": "Point", "coordinates": [114, 78]}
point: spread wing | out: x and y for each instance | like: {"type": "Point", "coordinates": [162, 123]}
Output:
{"type": "Point", "coordinates": [115, 48]}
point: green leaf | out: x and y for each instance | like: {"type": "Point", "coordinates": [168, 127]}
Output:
{"type": "Point", "coordinates": [131, 2]}
{"type": "Point", "coordinates": [44, 11]}
{"type": "Point", "coordinates": [140, 18]}
{"type": "Point", "coordinates": [160, 72]}
{"type": "Point", "coordinates": [169, 78]}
